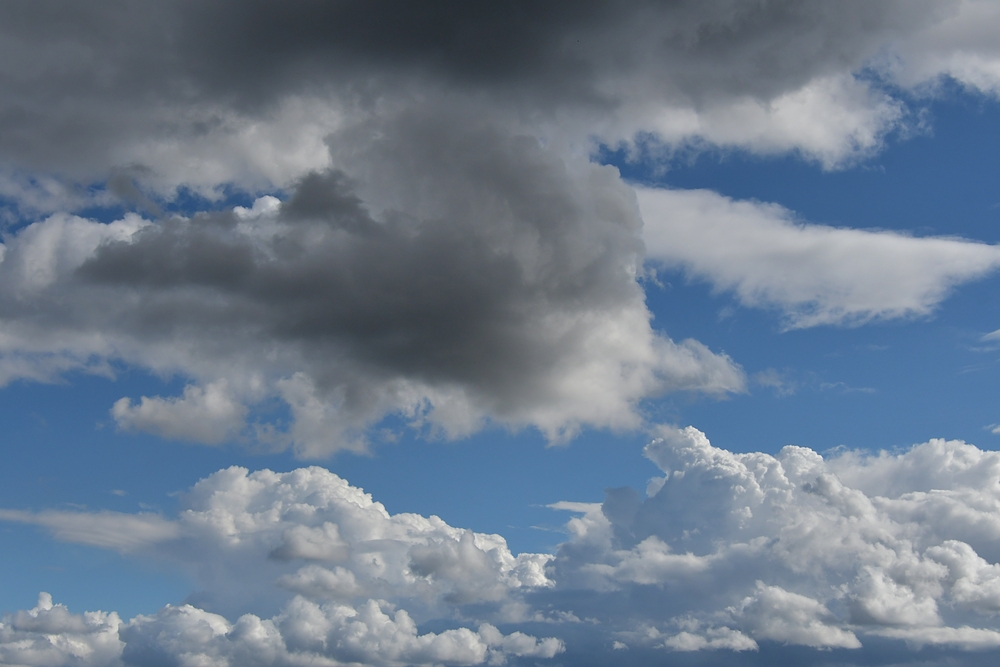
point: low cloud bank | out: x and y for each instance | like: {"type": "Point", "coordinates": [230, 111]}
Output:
{"type": "Point", "coordinates": [725, 552]}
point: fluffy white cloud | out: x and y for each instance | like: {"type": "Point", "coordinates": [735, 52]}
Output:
{"type": "Point", "coordinates": [208, 414]}
{"type": "Point", "coordinates": [303, 633]}
{"type": "Point", "coordinates": [309, 633]}
{"type": "Point", "coordinates": [249, 538]}
{"type": "Point", "coordinates": [50, 636]}
{"type": "Point", "coordinates": [813, 273]}
{"type": "Point", "coordinates": [795, 548]}
{"type": "Point", "coordinates": [726, 552]}
{"type": "Point", "coordinates": [305, 540]}
{"type": "Point", "coordinates": [779, 615]}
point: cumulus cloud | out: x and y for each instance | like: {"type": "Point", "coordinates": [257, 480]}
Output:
{"type": "Point", "coordinates": [50, 636]}
{"type": "Point", "coordinates": [303, 633]}
{"type": "Point", "coordinates": [208, 415]}
{"type": "Point", "coordinates": [334, 560]}
{"type": "Point", "coordinates": [509, 295]}
{"type": "Point", "coordinates": [814, 274]}
{"type": "Point", "coordinates": [792, 548]}
{"type": "Point", "coordinates": [308, 633]}
{"type": "Point", "coordinates": [251, 538]}
{"type": "Point", "coordinates": [727, 552]}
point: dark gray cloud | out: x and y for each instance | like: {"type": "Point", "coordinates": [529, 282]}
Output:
{"type": "Point", "coordinates": [453, 276]}
{"type": "Point", "coordinates": [88, 88]}
{"type": "Point", "coordinates": [445, 250]}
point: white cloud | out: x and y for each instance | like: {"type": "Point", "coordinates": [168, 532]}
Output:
{"type": "Point", "coordinates": [776, 614]}
{"type": "Point", "coordinates": [794, 548]}
{"type": "Point", "coordinates": [726, 552]}
{"type": "Point", "coordinates": [111, 530]}
{"type": "Point", "coordinates": [308, 633]}
{"type": "Point", "coordinates": [813, 273]}
{"type": "Point", "coordinates": [50, 636]}
{"type": "Point", "coordinates": [710, 639]}
{"type": "Point", "coordinates": [248, 538]}
{"type": "Point", "coordinates": [209, 415]}
{"type": "Point", "coordinates": [324, 552]}
{"type": "Point", "coordinates": [374, 633]}
{"type": "Point", "coordinates": [833, 120]}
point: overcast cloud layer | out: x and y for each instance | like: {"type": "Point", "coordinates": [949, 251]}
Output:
{"type": "Point", "coordinates": [724, 552]}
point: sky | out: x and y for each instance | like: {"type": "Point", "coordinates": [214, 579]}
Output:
{"type": "Point", "coordinates": [367, 333]}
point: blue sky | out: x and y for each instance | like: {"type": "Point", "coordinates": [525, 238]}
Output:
{"type": "Point", "coordinates": [665, 336]}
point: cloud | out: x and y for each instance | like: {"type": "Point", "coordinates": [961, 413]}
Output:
{"type": "Point", "coordinates": [959, 45]}
{"type": "Point", "coordinates": [208, 415]}
{"type": "Point", "coordinates": [814, 274]}
{"type": "Point", "coordinates": [334, 561]}
{"type": "Point", "coordinates": [793, 548]}
{"type": "Point", "coordinates": [776, 614]}
{"type": "Point", "coordinates": [111, 530]}
{"type": "Point", "coordinates": [779, 382]}
{"type": "Point", "coordinates": [206, 94]}
{"type": "Point", "coordinates": [308, 633]}
{"type": "Point", "coordinates": [727, 552]}
{"type": "Point", "coordinates": [251, 538]}
{"type": "Point", "coordinates": [453, 278]}
{"type": "Point", "coordinates": [444, 252]}
{"type": "Point", "coordinates": [49, 636]}
{"type": "Point", "coordinates": [303, 633]}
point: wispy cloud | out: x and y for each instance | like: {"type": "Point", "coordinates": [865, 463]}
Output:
{"type": "Point", "coordinates": [813, 274]}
